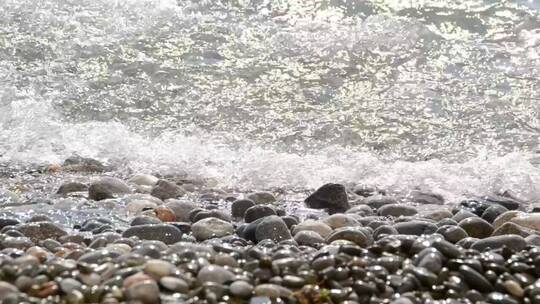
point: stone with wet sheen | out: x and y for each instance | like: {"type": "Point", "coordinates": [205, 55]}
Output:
{"type": "Point", "coordinates": [331, 197]}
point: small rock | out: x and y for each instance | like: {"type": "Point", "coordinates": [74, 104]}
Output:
{"type": "Point", "coordinates": [146, 292]}
{"type": "Point", "coordinates": [174, 284]}
{"type": "Point", "coordinates": [181, 209]}
{"type": "Point", "coordinates": [476, 227]}
{"type": "Point", "coordinates": [462, 214]}
{"type": "Point", "coordinates": [144, 180]}
{"type": "Point", "coordinates": [166, 190]}
{"type": "Point", "coordinates": [273, 291]}
{"type": "Point", "coordinates": [452, 234]}
{"type": "Point", "coordinates": [361, 210]}
{"type": "Point", "coordinates": [397, 210]}
{"type": "Point", "coordinates": [438, 215]}
{"type": "Point", "coordinates": [97, 256]}
{"type": "Point", "coordinates": [340, 220]}
{"type": "Point", "coordinates": [258, 211]}
{"type": "Point", "coordinates": [508, 202]}
{"type": "Point", "coordinates": [40, 231]}
{"type": "Point", "coordinates": [474, 279]}
{"type": "Point", "coordinates": [511, 241]}
{"type": "Point", "coordinates": [165, 214]}
{"type": "Point", "coordinates": [144, 220]}
{"type": "Point", "coordinates": [308, 238]}
{"type": "Point", "coordinates": [377, 201]}
{"type": "Point", "coordinates": [211, 228]}
{"type": "Point", "coordinates": [261, 197]}
{"type": "Point", "coordinates": [168, 234]}
{"type": "Point", "coordinates": [511, 228]}
{"type": "Point", "coordinates": [415, 227]}
{"type": "Point", "coordinates": [493, 212]}
{"type": "Point", "coordinates": [106, 188]}
{"type": "Point", "coordinates": [356, 235]}
{"type": "Point", "coordinates": [38, 252]}
{"type": "Point", "coordinates": [514, 288]}
{"type": "Point", "coordinates": [68, 285]}
{"type": "Point", "coordinates": [290, 220]}
{"type": "Point", "coordinates": [211, 213]}
{"type": "Point", "coordinates": [239, 207]}
{"type": "Point", "coordinates": [383, 231]}
{"type": "Point", "coordinates": [39, 218]}
{"type": "Point", "coordinates": [70, 187]}
{"type": "Point", "coordinates": [6, 290]}
{"type": "Point", "coordinates": [134, 279]}
{"type": "Point", "coordinates": [527, 220]}
{"type": "Point", "coordinates": [214, 273]}
{"type": "Point", "coordinates": [331, 197]}
{"type": "Point", "coordinates": [260, 300]}
{"type": "Point", "coordinates": [241, 289]}
{"type": "Point", "coordinates": [273, 228]}
{"type": "Point", "coordinates": [4, 222]}
{"type": "Point", "coordinates": [82, 164]}
{"type": "Point", "coordinates": [505, 217]}
{"type": "Point", "coordinates": [137, 206]}
{"type": "Point", "coordinates": [448, 249]}
{"type": "Point", "coordinates": [158, 268]}
{"type": "Point", "coordinates": [366, 190]}
{"type": "Point", "coordinates": [430, 259]}
{"type": "Point", "coordinates": [475, 206]}
{"type": "Point", "coordinates": [321, 228]}
{"type": "Point", "coordinates": [533, 240]}
{"type": "Point", "coordinates": [423, 197]}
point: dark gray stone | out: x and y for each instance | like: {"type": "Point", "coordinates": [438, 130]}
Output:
{"type": "Point", "coordinates": [70, 187]}
{"type": "Point", "coordinates": [476, 227]}
{"type": "Point", "coordinates": [239, 207]}
{"type": "Point", "coordinates": [165, 190]}
{"type": "Point", "coordinates": [84, 164]}
{"type": "Point", "coordinates": [332, 197]}
{"type": "Point", "coordinates": [377, 201]}
{"type": "Point", "coordinates": [474, 279]}
{"type": "Point", "coordinates": [144, 220]}
{"type": "Point", "coordinates": [511, 241]}
{"type": "Point", "coordinates": [415, 227]}
{"type": "Point", "coordinates": [492, 212]}
{"type": "Point", "coordinates": [258, 211]}
{"type": "Point", "coordinates": [168, 234]}
{"type": "Point", "coordinates": [397, 210]}
{"type": "Point", "coordinates": [272, 227]}
{"type": "Point", "coordinates": [106, 188]}
{"type": "Point", "coordinates": [211, 213]}
{"type": "Point", "coordinates": [452, 233]}
{"type": "Point", "coordinates": [8, 222]}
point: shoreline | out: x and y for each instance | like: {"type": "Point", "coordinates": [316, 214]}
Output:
{"type": "Point", "coordinates": [73, 234]}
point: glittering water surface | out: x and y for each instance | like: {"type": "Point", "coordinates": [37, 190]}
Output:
{"type": "Point", "coordinates": [436, 94]}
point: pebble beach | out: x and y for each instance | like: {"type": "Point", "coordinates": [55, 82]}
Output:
{"type": "Point", "coordinates": [270, 151]}
{"type": "Point", "coordinates": [176, 239]}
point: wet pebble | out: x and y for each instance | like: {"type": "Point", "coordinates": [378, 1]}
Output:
{"type": "Point", "coordinates": [210, 228]}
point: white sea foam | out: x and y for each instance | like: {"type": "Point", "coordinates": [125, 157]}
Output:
{"type": "Point", "coordinates": [262, 96]}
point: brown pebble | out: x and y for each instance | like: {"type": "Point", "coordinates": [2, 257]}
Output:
{"type": "Point", "coordinates": [47, 289]}
{"type": "Point", "coordinates": [54, 168]}
{"type": "Point", "coordinates": [38, 252]}
{"type": "Point", "coordinates": [513, 288]}
{"type": "Point", "coordinates": [165, 214]}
